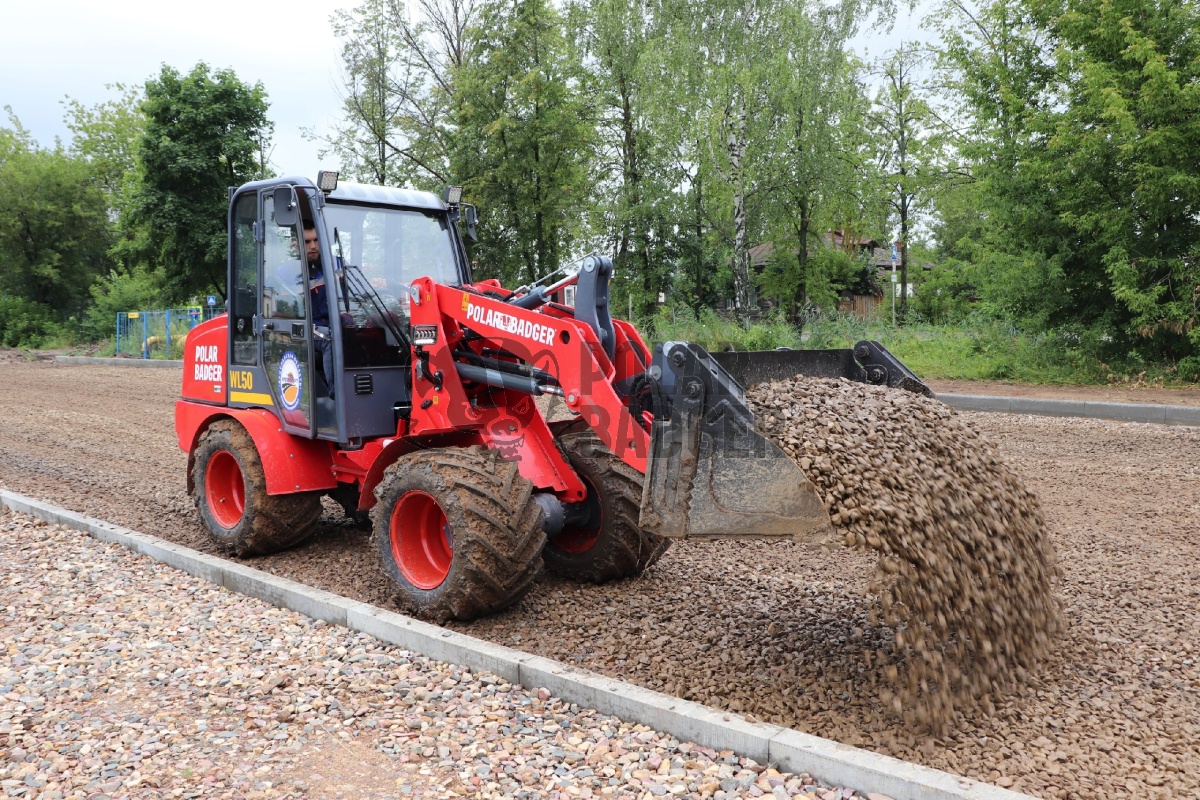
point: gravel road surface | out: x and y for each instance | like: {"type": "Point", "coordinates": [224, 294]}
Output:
{"type": "Point", "coordinates": [126, 678]}
{"type": "Point", "coordinates": [772, 631]}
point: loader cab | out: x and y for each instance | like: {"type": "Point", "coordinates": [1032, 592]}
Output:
{"type": "Point", "coordinates": [319, 329]}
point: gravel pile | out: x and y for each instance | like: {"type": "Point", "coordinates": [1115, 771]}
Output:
{"type": "Point", "coordinates": [125, 678]}
{"type": "Point", "coordinates": [965, 576]}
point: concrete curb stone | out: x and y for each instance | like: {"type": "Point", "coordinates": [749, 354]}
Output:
{"type": "Point", "coordinates": [121, 362]}
{"type": "Point", "coordinates": [437, 642]}
{"type": "Point", "coordinates": [1122, 412]}
{"type": "Point", "coordinates": [790, 750]}
{"type": "Point", "coordinates": [831, 760]}
{"type": "Point", "coordinates": [683, 719]}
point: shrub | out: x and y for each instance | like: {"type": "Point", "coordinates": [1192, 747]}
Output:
{"type": "Point", "coordinates": [24, 323]}
{"type": "Point", "coordinates": [115, 293]}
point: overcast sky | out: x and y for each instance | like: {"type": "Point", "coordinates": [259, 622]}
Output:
{"type": "Point", "coordinates": [59, 48]}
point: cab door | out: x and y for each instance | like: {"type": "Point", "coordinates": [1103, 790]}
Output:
{"type": "Point", "coordinates": [283, 312]}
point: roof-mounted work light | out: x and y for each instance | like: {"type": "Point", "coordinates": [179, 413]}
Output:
{"type": "Point", "coordinates": [452, 195]}
{"type": "Point", "coordinates": [327, 180]}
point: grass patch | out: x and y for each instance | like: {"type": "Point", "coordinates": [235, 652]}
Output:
{"type": "Point", "coordinates": [713, 332]}
{"type": "Point", "coordinates": [977, 350]}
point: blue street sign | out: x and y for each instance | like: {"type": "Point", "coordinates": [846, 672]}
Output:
{"type": "Point", "coordinates": [212, 300]}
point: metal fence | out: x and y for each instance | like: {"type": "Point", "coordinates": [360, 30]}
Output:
{"type": "Point", "coordinates": [159, 334]}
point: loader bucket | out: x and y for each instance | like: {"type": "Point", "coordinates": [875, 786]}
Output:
{"type": "Point", "coordinates": [710, 473]}
{"type": "Point", "coordinates": [868, 362]}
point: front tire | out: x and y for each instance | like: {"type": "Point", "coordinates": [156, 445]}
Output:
{"type": "Point", "coordinates": [458, 532]}
{"type": "Point", "coordinates": [610, 544]}
{"type": "Point", "coordinates": [230, 492]}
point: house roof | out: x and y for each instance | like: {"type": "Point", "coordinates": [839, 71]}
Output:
{"type": "Point", "coordinates": [880, 255]}
{"type": "Point", "coordinates": [760, 254]}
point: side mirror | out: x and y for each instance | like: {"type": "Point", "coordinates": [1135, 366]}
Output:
{"type": "Point", "coordinates": [472, 217]}
{"type": "Point", "coordinates": [287, 209]}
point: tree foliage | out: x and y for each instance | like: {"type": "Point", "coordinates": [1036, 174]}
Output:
{"type": "Point", "coordinates": [398, 63]}
{"type": "Point", "coordinates": [526, 137]}
{"type": "Point", "coordinates": [205, 132]}
{"type": "Point", "coordinates": [107, 135]}
{"type": "Point", "coordinates": [1124, 155]}
{"type": "Point", "coordinates": [1060, 159]}
{"type": "Point", "coordinates": [634, 208]}
{"type": "Point", "coordinates": [1082, 133]}
{"type": "Point", "coordinates": [54, 226]}
{"type": "Point", "coordinates": [817, 162]}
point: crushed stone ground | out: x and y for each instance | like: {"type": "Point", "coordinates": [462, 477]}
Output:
{"type": "Point", "coordinates": [772, 631]}
{"type": "Point", "coordinates": [125, 678]}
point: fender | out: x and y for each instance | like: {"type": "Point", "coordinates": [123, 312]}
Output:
{"type": "Point", "coordinates": [291, 464]}
{"type": "Point", "coordinates": [369, 464]}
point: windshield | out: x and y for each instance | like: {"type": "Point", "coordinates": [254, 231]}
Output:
{"type": "Point", "coordinates": [392, 247]}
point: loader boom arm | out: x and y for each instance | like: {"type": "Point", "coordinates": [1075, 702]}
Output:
{"type": "Point", "coordinates": [479, 356]}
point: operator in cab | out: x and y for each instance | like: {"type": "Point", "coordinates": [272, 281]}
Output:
{"type": "Point", "coordinates": [322, 339]}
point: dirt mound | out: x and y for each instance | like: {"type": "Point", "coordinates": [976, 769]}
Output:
{"type": "Point", "coordinates": [965, 577]}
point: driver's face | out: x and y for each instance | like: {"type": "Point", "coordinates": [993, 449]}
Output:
{"type": "Point", "coordinates": [311, 250]}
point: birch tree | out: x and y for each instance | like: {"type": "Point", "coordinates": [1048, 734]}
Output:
{"type": "Point", "coordinates": [903, 122]}
{"type": "Point", "coordinates": [399, 62]}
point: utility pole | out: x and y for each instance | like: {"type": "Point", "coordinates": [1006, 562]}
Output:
{"type": "Point", "coordinates": [894, 255]}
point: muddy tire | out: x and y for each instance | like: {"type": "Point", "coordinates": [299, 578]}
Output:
{"type": "Point", "coordinates": [230, 492]}
{"type": "Point", "coordinates": [458, 532]}
{"type": "Point", "coordinates": [611, 544]}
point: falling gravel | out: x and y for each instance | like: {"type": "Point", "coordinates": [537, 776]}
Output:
{"type": "Point", "coordinates": [966, 575]}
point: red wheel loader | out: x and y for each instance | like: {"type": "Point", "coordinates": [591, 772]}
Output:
{"type": "Point", "coordinates": [359, 359]}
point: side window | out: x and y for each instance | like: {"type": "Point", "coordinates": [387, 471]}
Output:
{"type": "Point", "coordinates": [283, 278]}
{"type": "Point", "coordinates": [244, 289]}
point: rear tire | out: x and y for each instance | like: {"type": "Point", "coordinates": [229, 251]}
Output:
{"type": "Point", "coordinates": [612, 545]}
{"type": "Point", "coordinates": [231, 495]}
{"type": "Point", "coordinates": [458, 531]}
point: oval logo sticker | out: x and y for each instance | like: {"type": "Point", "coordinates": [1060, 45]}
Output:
{"type": "Point", "coordinates": [290, 382]}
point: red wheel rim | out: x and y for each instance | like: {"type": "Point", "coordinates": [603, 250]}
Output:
{"type": "Point", "coordinates": [576, 539]}
{"type": "Point", "coordinates": [225, 489]}
{"type": "Point", "coordinates": [422, 543]}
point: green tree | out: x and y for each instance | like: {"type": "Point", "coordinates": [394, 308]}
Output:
{"type": "Point", "coordinates": [815, 154]}
{"type": "Point", "coordinates": [715, 75]}
{"type": "Point", "coordinates": [996, 67]}
{"type": "Point", "coordinates": [635, 205]}
{"type": "Point", "coordinates": [759, 97]}
{"type": "Point", "coordinates": [524, 137]}
{"type": "Point", "coordinates": [54, 226]}
{"type": "Point", "coordinates": [398, 89]}
{"type": "Point", "coordinates": [205, 132]}
{"type": "Point", "coordinates": [1083, 135]}
{"type": "Point", "coordinates": [107, 135]}
{"type": "Point", "coordinates": [908, 153]}
{"type": "Point", "coordinates": [1123, 159]}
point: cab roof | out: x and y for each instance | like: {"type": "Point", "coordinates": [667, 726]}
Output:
{"type": "Point", "coordinates": [349, 192]}
{"type": "Point", "coordinates": [386, 195]}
